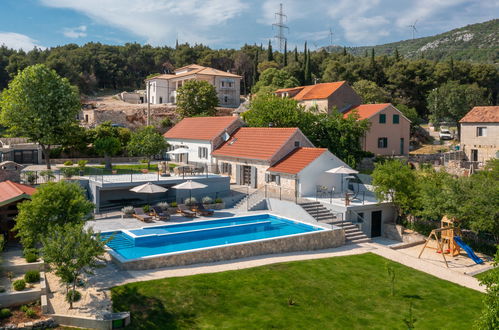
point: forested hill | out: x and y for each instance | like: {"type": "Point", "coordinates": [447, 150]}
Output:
{"type": "Point", "coordinates": [477, 42]}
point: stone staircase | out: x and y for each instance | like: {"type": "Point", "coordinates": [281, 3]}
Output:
{"type": "Point", "coordinates": [353, 234]}
{"type": "Point", "coordinates": [253, 202]}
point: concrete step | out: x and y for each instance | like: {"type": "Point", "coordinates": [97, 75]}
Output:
{"type": "Point", "coordinates": [355, 236]}
{"type": "Point", "coordinates": [357, 241]}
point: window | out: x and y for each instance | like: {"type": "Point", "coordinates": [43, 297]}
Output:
{"type": "Point", "coordinates": [360, 217]}
{"type": "Point", "coordinates": [297, 143]}
{"type": "Point", "coordinates": [382, 118]}
{"type": "Point", "coordinates": [396, 119]}
{"type": "Point", "coordinates": [226, 99]}
{"type": "Point", "coordinates": [383, 143]}
{"type": "Point", "coordinates": [226, 168]}
{"type": "Point", "coordinates": [222, 83]}
{"type": "Point", "coordinates": [481, 131]}
{"type": "Point", "coordinates": [203, 152]}
{"type": "Point", "coordinates": [160, 100]}
{"type": "Point", "coordinates": [273, 178]}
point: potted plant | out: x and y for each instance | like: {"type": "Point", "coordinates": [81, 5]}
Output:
{"type": "Point", "coordinates": [69, 172]}
{"type": "Point", "coordinates": [219, 204]}
{"type": "Point", "coordinates": [146, 208]}
{"type": "Point", "coordinates": [127, 211]}
{"type": "Point", "coordinates": [30, 177]}
{"type": "Point", "coordinates": [81, 166]}
{"type": "Point", "coordinates": [207, 202]}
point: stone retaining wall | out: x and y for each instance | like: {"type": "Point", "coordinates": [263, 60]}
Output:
{"type": "Point", "coordinates": [311, 241]}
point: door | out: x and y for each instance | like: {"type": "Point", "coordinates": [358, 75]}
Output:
{"type": "Point", "coordinates": [376, 223]}
{"type": "Point", "coordinates": [401, 146]}
{"type": "Point", "coordinates": [474, 155]}
{"type": "Point", "coordinates": [246, 175]}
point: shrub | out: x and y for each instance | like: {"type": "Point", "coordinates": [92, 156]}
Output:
{"type": "Point", "coordinates": [48, 175]}
{"type": "Point", "coordinates": [163, 205]}
{"type": "Point", "coordinates": [30, 313]}
{"type": "Point", "coordinates": [146, 208]}
{"type": "Point", "coordinates": [24, 308]}
{"type": "Point", "coordinates": [5, 313]}
{"type": "Point", "coordinates": [68, 163]}
{"type": "Point", "coordinates": [30, 177]}
{"type": "Point", "coordinates": [73, 295]}
{"type": "Point", "coordinates": [69, 172]}
{"type": "Point", "coordinates": [19, 285]}
{"type": "Point", "coordinates": [218, 200]}
{"type": "Point", "coordinates": [82, 164]}
{"type": "Point", "coordinates": [173, 204]}
{"type": "Point", "coordinates": [31, 255]}
{"type": "Point", "coordinates": [144, 161]}
{"type": "Point", "coordinates": [207, 200]}
{"type": "Point", "coordinates": [190, 201]}
{"type": "Point", "coordinates": [167, 122]}
{"type": "Point", "coordinates": [32, 276]}
{"type": "Point", "coordinates": [127, 210]}
{"type": "Point", "coordinates": [2, 242]}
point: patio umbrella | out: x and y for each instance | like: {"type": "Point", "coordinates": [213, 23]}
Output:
{"type": "Point", "coordinates": [149, 188]}
{"type": "Point", "coordinates": [189, 184]}
{"type": "Point", "coordinates": [342, 170]}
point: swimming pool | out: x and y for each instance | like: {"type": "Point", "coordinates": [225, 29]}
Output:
{"type": "Point", "coordinates": [167, 239]}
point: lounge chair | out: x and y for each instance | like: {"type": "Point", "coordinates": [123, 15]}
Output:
{"type": "Point", "coordinates": [139, 214]}
{"type": "Point", "coordinates": [186, 212]}
{"type": "Point", "coordinates": [200, 209]}
{"type": "Point", "coordinates": [158, 212]}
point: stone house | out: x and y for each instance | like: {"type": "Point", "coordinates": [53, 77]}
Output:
{"type": "Point", "coordinates": [163, 87]}
{"type": "Point", "coordinates": [389, 131]}
{"type": "Point", "coordinates": [479, 134]}
{"type": "Point", "coordinates": [250, 151]}
{"type": "Point", "coordinates": [200, 136]}
{"type": "Point", "coordinates": [10, 170]}
{"type": "Point", "coordinates": [325, 96]}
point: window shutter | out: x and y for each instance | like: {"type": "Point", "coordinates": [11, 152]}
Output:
{"type": "Point", "coordinates": [238, 174]}
{"type": "Point", "coordinates": [229, 168]}
{"type": "Point", "coordinates": [278, 180]}
{"type": "Point", "coordinates": [267, 177]}
{"type": "Point", "coordinates": [253, 177]}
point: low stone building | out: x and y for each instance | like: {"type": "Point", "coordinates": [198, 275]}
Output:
{"type": "Point", "coordinates": [480, 133]}
{"type": "Point", "coordinates": [20, 150]}
{"type": "Point", "coordinates": [10, 170]}
{"type": "Point", "coordinates": [325, 96]}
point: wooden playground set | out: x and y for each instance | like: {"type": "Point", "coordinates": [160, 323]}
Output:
{"type": "Point", "coordinates": [447, 240]}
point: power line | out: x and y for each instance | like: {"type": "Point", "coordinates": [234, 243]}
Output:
{"type": "Point", "coordinates": [330, 36]}
{"type": "Point", "coordinates": [413, 27]}
{"type": "Point", "coordinates": [280, 17]}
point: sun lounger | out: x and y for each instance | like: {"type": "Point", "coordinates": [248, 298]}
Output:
{"type": "Point", "coordinates": [139, 214]}
{"type": "Point", "coordinates": [160, 214]}
{"type": "Point", "coordinates": [186, 212]}
{"type": "Point", "coordinates": [200, 209]}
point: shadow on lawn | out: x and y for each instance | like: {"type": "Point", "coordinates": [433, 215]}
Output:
{"type": "Point", "coordinates": [148, 312]}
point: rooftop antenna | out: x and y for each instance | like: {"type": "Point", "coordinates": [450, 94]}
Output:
{"type": "Point", "coordinates": [280, 18]}
{"type": "Point", "coordinates": [413, 27]}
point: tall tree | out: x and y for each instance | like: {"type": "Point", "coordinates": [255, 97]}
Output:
{"type": "Point", "coordinates": [370, 92]}
{"type": "Point", "coordinates": [489, 319]}
{"type": "Point", "coordinates": [53, 204]}
{"type": "Point", "coordinates": [270, 53]}
{"type": "Point", "coordinates": [273, 79]}
{"type": "Point", "coordinates": [296, 54]}
{"type": "Point", "coordinates": [307, 76]}
{"type": "Point", "coordinates": [196, 98]}
{"type": "Point", "coordinates": [285, 57]}
{"type": "Point", "coordinates": [396, 55]}
{"type": "Point", "coordinates": [146, 141]}
{"type": "Point", "coordinates": [40, 105]}
{"type": "Point", "coordinates": [107, 142]}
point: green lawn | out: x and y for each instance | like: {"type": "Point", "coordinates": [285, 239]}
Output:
{"type": "Point", "coordinates": [337, 293]}
{"type": "Point", "coordinates": [125, 169]}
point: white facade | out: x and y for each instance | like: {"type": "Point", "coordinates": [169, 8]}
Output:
{"type": "Point", "coordinates": [199, 151]}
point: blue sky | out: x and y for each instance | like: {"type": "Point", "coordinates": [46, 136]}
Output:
{"type": "Point", "coordinates": [231, 23]}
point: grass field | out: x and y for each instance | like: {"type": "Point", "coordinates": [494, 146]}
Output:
{"type": "Point", "coordinates": [124, 169]}
{"type": "Point", "coordinates": [338, 293]}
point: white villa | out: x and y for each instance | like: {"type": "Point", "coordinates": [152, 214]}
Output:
{"type": "Point", "coordinates": [163, 88]}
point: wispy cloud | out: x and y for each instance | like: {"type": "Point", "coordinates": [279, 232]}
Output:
{"type": "Point", "coordinates": [76, 32]}
{"type": "Point", "coordinates": [158, 21]}
{"type": "Point", "coordinates": [18, 41]}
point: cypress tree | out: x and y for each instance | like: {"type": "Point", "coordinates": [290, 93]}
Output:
{"type": "Point", "coordinates": [306, 74]}
{"type": "Point", "coordinates": [296, 54]}
{"type": "Point", "coordinates": [373, 62]}
{"type": "Point", "coordinates": [285, 58]}
{"type": "Point", "coordinates": [270, 54]}
{"type": "Point", "coordinates": [397, 55]}
{"type": "Point", "coordinates": [366, 54]}
{"type": "Point", "coordinates": [344, 51]}
{"type": "Point", "coordinates": [255, 66]}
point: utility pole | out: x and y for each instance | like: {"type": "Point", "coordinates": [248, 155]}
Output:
{"type": "Point", "coordinates": [148, 103]}
{"type": "Point", "coordinates": [280, 17]}
{"type": "Point", "coordinates": [331, 36]}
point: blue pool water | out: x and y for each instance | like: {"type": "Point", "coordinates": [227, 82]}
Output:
{"type": "Point", "coordinates": [151, 241]}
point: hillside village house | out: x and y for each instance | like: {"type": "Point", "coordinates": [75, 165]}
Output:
{"type": "Point", "coordinates": [200, 136]}
{"type": "Point", "coordinates": [480, 133]}
{"type": "Point", "coordinates": [389, 131]}
{"type": "Point", "coordinates": [163, 87]}
{"type": "Point", "coordinates": [250, 151]}
{"type": "Point", "coordinates": [325, 96]}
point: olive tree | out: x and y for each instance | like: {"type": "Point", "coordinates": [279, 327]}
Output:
{"type": "Point", "coordinates": [196, 98]}
{"type": "Point", "coordinates": [146, 142]}
{"type": "Point", "coordinates": [41, 106]}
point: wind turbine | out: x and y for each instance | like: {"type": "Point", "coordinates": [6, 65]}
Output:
{"type": "Point", "coordinates": [413, 27]}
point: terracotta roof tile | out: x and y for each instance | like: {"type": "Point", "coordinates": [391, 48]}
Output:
{"type": "Point", "coordinates": [486, 114]}
{"type": "Point", "coordinates": [10, 191]}
{"type": "Point", "coordinates": [314, 92]}
{"type": "Point", "coordinates": [200, 128]}
{"type": "Point", "coordinates": [255, 142]}
{"type": "Point", "coordinates": [198, 69]}
{"type": "Point", "coordinates": [366, 111]}
{"type": "Point", "coordinates": [297, 160]}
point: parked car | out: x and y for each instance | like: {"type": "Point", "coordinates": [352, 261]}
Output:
{"type": "Point", "coordinates": [445, 134]}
